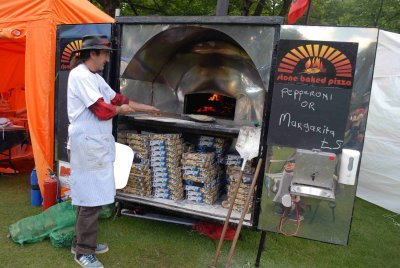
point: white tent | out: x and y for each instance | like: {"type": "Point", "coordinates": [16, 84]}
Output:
{"type": "Point", "coordinates": [379, 178]}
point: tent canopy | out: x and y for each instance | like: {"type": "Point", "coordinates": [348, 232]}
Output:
{"type": "Point", "coordinates": [379, 180]}
{"type": "Point", "coordinates": [27, 52]}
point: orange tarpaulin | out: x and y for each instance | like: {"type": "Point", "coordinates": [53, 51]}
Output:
{"type": "Point", "coordinates": [27, 53]}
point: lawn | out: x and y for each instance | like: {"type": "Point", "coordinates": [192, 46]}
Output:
{"type": "Point", "coordinates": [374, 241]}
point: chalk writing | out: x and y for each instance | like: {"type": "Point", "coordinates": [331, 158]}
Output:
{"type": "Point", "coordinates": [324, 145]}
{"type": "Point", "coordinates": [287, 119]}
{"type": "Point", "coordinates": [308, 117]}
{"type": "Point", "coordinates": [297, 94]}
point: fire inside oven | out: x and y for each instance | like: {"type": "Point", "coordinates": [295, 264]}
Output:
{"type": "Point", "coordinates": [210, 104]}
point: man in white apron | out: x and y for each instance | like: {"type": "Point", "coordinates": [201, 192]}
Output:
{"type": "Point", "coordinates": [91, 106]}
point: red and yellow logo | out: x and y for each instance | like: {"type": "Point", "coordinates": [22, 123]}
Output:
{"type": "Point", "coordinates": [318, 64]}
{"type": "Point", "coordinates": [313, 56]}
{"type": "Point", "coordinates": [67, 53]}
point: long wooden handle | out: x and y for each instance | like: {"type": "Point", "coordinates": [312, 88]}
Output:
{"type": "Point", "coordinates": [157, 113]}
{"type": "Point", "coordinates": [169, 114]}
{"type": "Point", "coordinates": [246, 206]}
{"type": "Point", "coordinates": [231, 203]}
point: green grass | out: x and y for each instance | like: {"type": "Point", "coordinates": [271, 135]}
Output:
{"type": "Point", "coordinates": [374, 241]}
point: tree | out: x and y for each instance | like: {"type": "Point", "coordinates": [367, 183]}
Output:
{"type": "Point", "coordinates": [364, 13]}
{"type": "Point", "coordinates": [108, 6]}
{"type": "Point", "coordinates": [375, 13]}
{"type": "Point", "coordinates": [158, 7]}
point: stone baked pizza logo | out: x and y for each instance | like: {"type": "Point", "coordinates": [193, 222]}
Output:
{"type": "Point", "coordinates": [316, 64]}
{"type": "Point", "coordinates": [66, 54]}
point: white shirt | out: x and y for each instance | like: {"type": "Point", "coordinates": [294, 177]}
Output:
{"type": "Point", "coordinates": [84, 89]}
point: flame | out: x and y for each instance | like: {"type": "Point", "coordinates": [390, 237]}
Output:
{"type": "Point", "coordinates": [215, 97]}
{"type": "Point", "coordinates": [206, 109]}
{"type": "Point", "coordinates": [314, 66]}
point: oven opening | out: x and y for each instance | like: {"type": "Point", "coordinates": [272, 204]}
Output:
{"type": "Point", "coordinates": [216, 105]}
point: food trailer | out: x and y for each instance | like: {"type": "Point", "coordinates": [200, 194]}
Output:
{"type": "Point", "coordinates": [306, 87]}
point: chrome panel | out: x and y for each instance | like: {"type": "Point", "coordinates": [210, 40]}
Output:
{"type": "Point", "coordinates": [325, 219]}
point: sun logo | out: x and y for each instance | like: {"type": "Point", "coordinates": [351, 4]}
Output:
{"type": "Point", "coordinates": [313, 56]}
{"type": "Point", "coordinates": [67, 52]}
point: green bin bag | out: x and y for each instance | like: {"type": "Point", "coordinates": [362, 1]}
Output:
{"type": "Point", "coordinates": [62, 238]}
{"type": "Point", "coordinates": [38, 227]}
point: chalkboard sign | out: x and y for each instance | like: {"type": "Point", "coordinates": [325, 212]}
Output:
{"type": "Point", "coordinates": [308, 117]}
{"type": "Point", "coordinates": [311, 94]}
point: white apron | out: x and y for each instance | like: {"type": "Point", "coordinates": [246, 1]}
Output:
{"type": "Point", "coordinates": [90, 140]}
{"type": "Point", "coordinates": [92, 155]}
